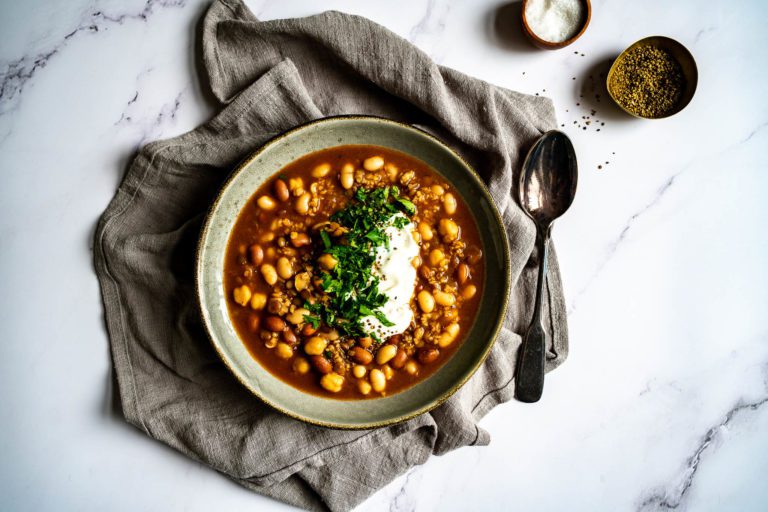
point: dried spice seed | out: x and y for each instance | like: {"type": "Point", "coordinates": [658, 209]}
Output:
{"type": "Point", "coordinates": [648, 82]}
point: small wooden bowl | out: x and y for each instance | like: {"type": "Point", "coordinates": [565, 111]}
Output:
{"type": "Point", "coordinates": [549, 45]}
{"type": "Point", "coordinates": [687, 65]}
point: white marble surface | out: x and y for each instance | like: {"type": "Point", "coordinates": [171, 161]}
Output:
{"type": "Point", "coordinates": [663, 402]}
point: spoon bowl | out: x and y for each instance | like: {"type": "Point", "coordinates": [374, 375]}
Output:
{"type": "Point", "coordinates": [548, 180]}
{"type": "Point", "coordinates": [547, 189]}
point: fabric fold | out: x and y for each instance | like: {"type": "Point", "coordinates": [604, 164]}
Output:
{"type": "Point", "coordinates": [271, 76]}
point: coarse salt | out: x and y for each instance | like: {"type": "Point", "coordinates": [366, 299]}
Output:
{"type": "Point", "coordinates": [555, 20]}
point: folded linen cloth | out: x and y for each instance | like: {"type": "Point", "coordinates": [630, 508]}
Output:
{"type": "Point", "coordinates": [272, 76]}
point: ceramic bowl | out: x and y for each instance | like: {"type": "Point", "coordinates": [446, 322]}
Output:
{"type": "Point", "coordinates": [687, 66]}
{"type": "Point", "coordinates": [268, 160]}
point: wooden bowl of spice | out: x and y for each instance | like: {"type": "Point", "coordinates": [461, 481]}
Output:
{"type": "Point", "coordinates": [654, 78]}
{"type": "Point", "coordinates": [554, 24]}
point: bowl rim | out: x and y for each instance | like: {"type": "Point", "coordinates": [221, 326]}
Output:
{"type": "Point", "coordinates": [650, 40]}
{"type": "Point", "coordinates": [499, 321]}
{"type": "Point", "coordinates": [550, 45]}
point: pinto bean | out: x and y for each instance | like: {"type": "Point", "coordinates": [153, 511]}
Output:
{"type": "Point", "coordinates": [321, 364]}
{"type": "Point", "coordinates": [290, 337]}
{"type": "Point", "coordinates": [462, 273]}
{"type": "Point", "coordinates": [398, 361]}
{"type": "Point", "coordinates": [280, 190]}
{"type": "Point", "coordinates": [274, 323]}
{"type": "Point", "coordinates": [256, 253]}
{"type": "Point", "coordinates": [361, 355]}
{"type": "Point", "coordinates": [428, 355]}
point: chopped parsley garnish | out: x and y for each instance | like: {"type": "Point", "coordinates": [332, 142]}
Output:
{"type": "Point", "coordinates": [351, 288]}
{"type": "Point", "coordinates": [312, 320]}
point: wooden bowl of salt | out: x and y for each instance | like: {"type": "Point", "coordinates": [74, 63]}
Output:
{"type": "Point", "coordinates": [554, 24]}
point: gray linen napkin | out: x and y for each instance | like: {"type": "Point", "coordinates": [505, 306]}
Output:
{"type": "Point", "coordinates": [272, 76]}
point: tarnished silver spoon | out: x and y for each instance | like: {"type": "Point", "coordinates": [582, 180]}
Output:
{"type": "Point", "coordinates": [547, 189]}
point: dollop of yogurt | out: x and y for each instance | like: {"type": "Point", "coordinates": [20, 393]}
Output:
{"type": "Point", "coordinates": [397, 279]}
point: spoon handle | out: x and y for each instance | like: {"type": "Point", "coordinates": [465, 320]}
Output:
{"type": "Point", "coordinates": [530, 364]}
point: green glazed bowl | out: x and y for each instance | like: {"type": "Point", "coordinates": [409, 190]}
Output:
{"type": "Point", "coordinates": [270, 158]}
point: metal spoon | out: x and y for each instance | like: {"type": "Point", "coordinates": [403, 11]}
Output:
{"type": "Point", "coordinates": [547, 189]}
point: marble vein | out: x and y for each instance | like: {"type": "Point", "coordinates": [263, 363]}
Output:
{"type": "Point", "coordinates": [430, 27]}
{"type": "Point", "coordinates": [17, 73]}
{"type": "Point", "coordinates": [701, 33]}
{"type": "Point", "coordinates": [402, 501]}
{"type": "Point", "coordinates": [149, 125]}
{"type": "Point", "coordinates": [666, 499]}
{"type": "Point", "coordinates": [613, 246]}
{"type": "Point", "coordinates": [754, 132]}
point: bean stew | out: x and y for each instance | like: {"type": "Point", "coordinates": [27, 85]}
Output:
{"type": "Point", "coordinates": [354, 272]}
